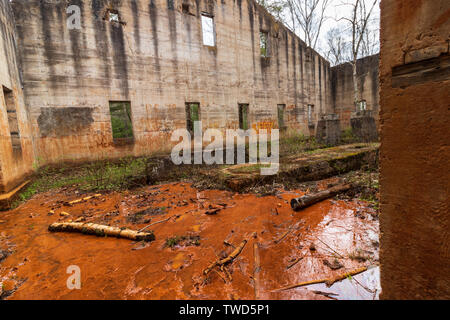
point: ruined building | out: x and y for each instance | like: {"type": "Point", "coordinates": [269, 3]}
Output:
{"type": "Point", "coordinates": [414, 155]}
{"type": "Point", "coordinates": [131, 72]}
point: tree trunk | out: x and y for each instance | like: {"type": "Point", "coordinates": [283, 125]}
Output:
{"type": "Point", "coordinates": [355, 85]}
{"type": "Point", "coordinates": [101, 231]}
{"type": "Point", "coordinates": [308, 200]}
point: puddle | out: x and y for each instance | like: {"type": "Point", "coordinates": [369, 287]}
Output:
{"type": "Point", "coordinates": [364, 286]}
{"type": "Point", "coordinates": [291, 246]}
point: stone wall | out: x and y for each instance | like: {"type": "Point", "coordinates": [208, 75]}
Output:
{"type": "Point", "coordinates": [16, 148]}
{"type": "Point", "coordinates": [342, 88]}
{"type": "Point", "coordinates": [154, 58]}
{"type": "Point", "coordinates": [414, 120]}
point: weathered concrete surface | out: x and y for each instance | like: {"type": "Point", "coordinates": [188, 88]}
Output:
{"type": "Point", "coordinates": [307, 166]}
{"type": "Point", "coordinates": [364, 126]}
{"type": "Point", "coordinates": [342, 88]}
{"type": "Point", "coordinates": [14, 164]}
{"type": "Point", "coordinates": [414, 219]}
{"type": "Point", "coordinates": [156, 60]}
{"type": "Point", "coordinates": [328, 130]}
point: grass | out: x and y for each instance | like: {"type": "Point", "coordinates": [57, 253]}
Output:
{"type": "Point", "coordinates": [294, 143]}
{"type": "Point", "coordinates": [251, 168]}
{"type": "Point", "coordinates": [91, 177]}
{"type": "Point", "coordinates": [185, 240]}
{"type": "Point", "coordinates": [348, 136]}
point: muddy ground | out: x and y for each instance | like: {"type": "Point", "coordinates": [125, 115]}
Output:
{"type": "Point", "coordinates": [197, 220]}
{"type": "Point", "coordinates": [323, 241]}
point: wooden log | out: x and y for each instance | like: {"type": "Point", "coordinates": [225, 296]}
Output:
{"type": "Point", "coordinates": [306, 201]}
{"type": "Point", "coordinates": [101, 231]}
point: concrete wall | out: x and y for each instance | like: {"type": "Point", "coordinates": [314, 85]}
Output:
{"type": "Point", "coordinates": [17, 163]}
{"type": "Point", "coordinates": [415, 95]}
{"type": "Point", "coordinates": [342, 88]}
{"type": "Point", "coordinates": [156, 60]}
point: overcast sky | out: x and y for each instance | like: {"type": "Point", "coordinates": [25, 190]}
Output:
{"type": "Point", "coordinates": [337, 10]}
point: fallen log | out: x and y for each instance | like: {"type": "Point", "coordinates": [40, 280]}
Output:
{"type": "Point", "coordinates": [101, 231]}
{"type": "Point", "coordinates": [328, 282]}
{"type": "Point", "coordinates": [306, 201]}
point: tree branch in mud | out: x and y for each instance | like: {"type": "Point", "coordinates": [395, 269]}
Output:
{"type": "Point", "coordinates": [229, 259]}
{"type": "Point", "coordinates": [101, 231]}
{"type": "Point", "coordinates": [328, 282]}
{"type": "Point", "coordinates": [256, 270]}
{"type": "Point", "coordinates": [294, 263]}
{"type": "Point", "coordinates": [306, 201]}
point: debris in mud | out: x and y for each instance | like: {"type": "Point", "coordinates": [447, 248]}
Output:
{"type": "Point", "coordinates": [328, 282]}
{"type": "Point", "coordinates": [8, 290]}
{"type": "Point", "coordinates": [335, 265]}
{"type": "Point", "coordinates": [358, 255]}
{"type": "Point", "coordinates": [140, 216]}
{"type": "Point", "coordinates": [71, 203]}
{"type": "Point", "coordinates": [177, 271]}
{"type": "Point", "coordinates": [229, 259]}
{"type": "Point", "coordinates": [157, 222]}
{"type": "Point", "coordinates": [3, 255]}
{"type": "Point", "coordinates": [182, 241]}
{"type": "Point", "coordinates": [101, 231]}
{"type": "Point", "coordinates": [306, 201]}
{"type": "Point", "coordinates": [284, 235]}
{"type": "Point", "coordinates": [294, 262]}
{"type": "Point", "coordinates": [326, 294]}
{"type": "Point", "coordinates": [212, 212]}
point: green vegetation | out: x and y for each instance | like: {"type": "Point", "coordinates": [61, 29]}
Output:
{"type": "Point", "coordinates": [251, 168]}
{"type": "Point", "coordinates": [294, 143]}
{"type": "Point", "coordinates": [193, 115]}
{"type": "Point", "coordinates": [348, 137]}
{"type": "Point", "coordinates": [121, 120]}
{"type": "Point", "coordinates": [182, 240]}
{"type": "Point", "coordinates": [96, 176]}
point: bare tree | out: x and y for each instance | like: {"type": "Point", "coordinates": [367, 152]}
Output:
{"type": "Point", "coordinates": [274, 7]}
{"type": "Point", "coordinates": [309, 15]}
{"type": "Point", "coordinates": [338, 48]}
{"type": "Point", "coordinates": [359, 22]}
{"type": "Point", "coordinates": [371, 42]}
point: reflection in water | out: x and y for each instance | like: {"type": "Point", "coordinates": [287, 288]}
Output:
{"type": "Point", "coordinates": [364, 286]}
{"type": "Point", "coordinates": [323, 241]}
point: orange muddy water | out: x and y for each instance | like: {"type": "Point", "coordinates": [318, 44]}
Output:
{"type": "Point", "coordinates": [284, 247]}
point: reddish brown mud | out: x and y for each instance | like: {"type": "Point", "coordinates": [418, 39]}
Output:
{"type": "Point", "coordinates": [291, 246]}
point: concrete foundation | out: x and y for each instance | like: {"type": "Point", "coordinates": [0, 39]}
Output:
{"type": "Point", "coordinates": [364, 126]}
{"type": "Point", "coordinates": [328, 130]}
